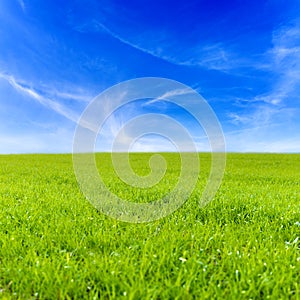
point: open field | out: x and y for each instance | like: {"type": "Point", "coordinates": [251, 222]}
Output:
{"type": "Point", "coordinates": [244, 245]}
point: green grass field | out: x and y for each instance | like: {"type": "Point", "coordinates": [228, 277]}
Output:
{"type": "Point", "coordinates": [244, 245]}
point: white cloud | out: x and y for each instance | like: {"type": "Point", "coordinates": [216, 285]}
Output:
{"type": "Point", "coordinates": [236, 118]}
{"type": "Point", "coordinates": [276, 106]}
{"type": "Point", "coordinates": [285, 62]}
{"type": "Point", "coordinates": [214, 56]}
{"type": "Point", "coordinates": [98, 26]}
{"type": "Point", "coordinates": [170, 94]}
{"type": "Point", "coordinates": [49, 103]}
{"type": "Point", "coordinates": [78, 95]}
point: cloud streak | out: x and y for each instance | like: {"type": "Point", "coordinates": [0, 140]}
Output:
{"type": "Point", "coordinates": [169, 94]}
{"type": "Point", "coordinates": [278, 104]}
{"type": "Point", "coordinates": [100, 27]}
{"type": "Point", "coordinates": [285, 62]}
{"type": "Point", "coordinates": [22, 5]}
{"type": "Point", "coordinates": [33, 94]}
{"type": "Point", "coordinates": [213, 56]}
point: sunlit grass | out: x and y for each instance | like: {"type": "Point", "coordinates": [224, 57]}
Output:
{"type": "Point", "coordinates": [243, 245]}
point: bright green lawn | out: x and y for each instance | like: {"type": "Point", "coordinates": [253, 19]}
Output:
{"type": "Point", "coordinates": [243, 245]}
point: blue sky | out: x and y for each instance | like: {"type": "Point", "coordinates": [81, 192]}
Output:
{"type": "Point", "coordinates": [243, 57]}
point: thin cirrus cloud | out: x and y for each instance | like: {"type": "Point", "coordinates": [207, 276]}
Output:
{"type": "Point", "coordinates": [214, 56]}
{"type": "Point", "coordinates": [244, 57]}
{"type": "Point", "coordinates": [278, 104]}
{"type": "Point", "coordinates": [287, 60]}
{"type": "Point", "coordinates": [97, 26]}
{"type": "Point", "coordinates": [22, 5]}
{"type": "Point", "coordinates": [31, 93]}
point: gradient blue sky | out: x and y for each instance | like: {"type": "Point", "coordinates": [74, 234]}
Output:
{"type": "Point", "coordinates": [242, 56]}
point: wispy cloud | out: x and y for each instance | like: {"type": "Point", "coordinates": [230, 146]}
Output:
{"type": "Point", "coordinates": [213, 56]}
{"type": "Point", "coordinates": [285, 62]}
{"type": "Point", "coordinates": [78, 94]}
{"type": "Point", "coordinates": [259, 124]}
{"type": "Point", "coordinates": [33, 94]}
{"type": "Point", "coordinates": [218, 56]}
{"type": "Point", "coordinates": [22, 5]}
{"type": "Point", "coordinates": [237, 119]}
{"type": "Point", "coordinates": [284, 65]}
{"type": "Point", "coordinates": [94, 25]}
{"type": "Point", "coordinates": [169, 94]}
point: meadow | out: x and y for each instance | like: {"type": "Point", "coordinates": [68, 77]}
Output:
{"type": "Point", "coordinates": [245, 244]}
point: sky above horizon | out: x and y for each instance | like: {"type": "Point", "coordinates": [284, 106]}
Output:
{"type": "Point", "coordinates": [243, 57]}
